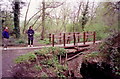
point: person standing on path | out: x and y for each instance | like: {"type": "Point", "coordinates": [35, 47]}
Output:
{"type": "Point", "coordinates": [5, 36]}
{"type": "Point", "coordinates": [30, 33]}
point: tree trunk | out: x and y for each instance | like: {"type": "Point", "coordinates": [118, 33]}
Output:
{"type": "Point", "coordinates": [84, 18]}
{"type": "Point", "coordinates": [16, 18]}
{"type": "Point", "coordinates": [26, 17]}
{"type": "Point", "coordinates": [43, 20]}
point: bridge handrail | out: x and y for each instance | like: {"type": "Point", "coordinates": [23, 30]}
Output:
{"type": "Point", "coordinates": [63, 37]}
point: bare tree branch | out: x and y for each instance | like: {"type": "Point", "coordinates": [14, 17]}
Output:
{"type": "Point", "coordinates": [26, 16]}
{"type": "Point", "coordinates": [33, 16]}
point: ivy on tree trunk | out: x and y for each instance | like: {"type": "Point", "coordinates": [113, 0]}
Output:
{"type": "Point", "coordinates": [16, 18]}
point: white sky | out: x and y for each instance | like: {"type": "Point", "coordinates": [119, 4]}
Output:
{"type": "Point", "coordinates": [35, 4]}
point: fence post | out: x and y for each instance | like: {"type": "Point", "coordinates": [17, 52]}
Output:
{"type": "Point", "coordinates": [84, 35]}
{"type": "Point", "coordinates": [53, 40]}
{"type": "Point", "coordinates": [94, 36]}
{"type": "Point", "coordinates": [50, 37]}
{"type": "Point", "coordinates": [74, 38]}
{"type": "Point", "coordinates": [64, 39]}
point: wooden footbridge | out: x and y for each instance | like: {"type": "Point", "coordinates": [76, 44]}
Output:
{"type": "Point", "coordinates": [76, 42]}
{"type": "Point", "coordinates": [72, 37]}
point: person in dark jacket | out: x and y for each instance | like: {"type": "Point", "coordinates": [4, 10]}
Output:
{"type": "Point", "coordinates": [30, 33]}
{"type": "Point", "coordinates": [5, 35]}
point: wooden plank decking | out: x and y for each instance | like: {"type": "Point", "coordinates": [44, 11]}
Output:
{"type": "Point", "coordinates": [39, 47]}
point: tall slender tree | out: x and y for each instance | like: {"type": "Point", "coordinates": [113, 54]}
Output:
{"type": "Point", "coordinates": [25, 24]}
{"type": "Point", "coordinates": [84, 16]}
{"type": "Point", "coordinates": [16, 10]}
{"type": "Point", "coordinates": [43, 19]}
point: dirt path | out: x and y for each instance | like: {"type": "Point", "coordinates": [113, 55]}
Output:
{"type": "Point", "coordinates": [8, 57]}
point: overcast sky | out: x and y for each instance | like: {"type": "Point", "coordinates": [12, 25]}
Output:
{"type": "Point", "coordinates": [36, 3]}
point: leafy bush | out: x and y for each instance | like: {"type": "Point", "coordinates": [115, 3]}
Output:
{"type": "Point", "coordinates": [52, 50]}
{"type": "Point", "coordinates": [57, 50]}
{"type": "Point", "coordinates": [92, 55]}
{"type": "Point", "coordinates": [111, 47]}
{"type": "Point", "coordinates": [45, 41]}
{"type": "Point", "coordinates": [25, 58]}
{"type": "Point", "coordinates": [102, 31]}
{"type": "Point", "coordinates": [20, 41]}
{"type": "Point", "coordinates": [37, 67]}
{"type": "Point", "coordinates": [48, 59]}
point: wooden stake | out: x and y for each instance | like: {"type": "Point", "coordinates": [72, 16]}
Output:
{"type": "Point", "coordinates": [66, 58]}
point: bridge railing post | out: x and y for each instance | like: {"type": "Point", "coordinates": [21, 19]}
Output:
{"type": "Point", "coordinates": [60, 39]}
{"type": "Point", "coordinates": [64, 39]}
{"type": "Point", "coordinates": [94, 36]}
{"type": "Point", "coordinates": [78, 37]}
{"type": "Point", "coordinates": [53, 40]}
{"type": "Point", "coordinates": [74, 38]}
{"type": "Point", "coordinates": [84, 37]}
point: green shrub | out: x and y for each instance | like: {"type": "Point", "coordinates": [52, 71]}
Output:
{"type": "Point", "coordinates": [57, 50]}
{"type": "Point", "coordinates": [20, 41]}
{"type": "Point", "coordinates": [45, 41]}
{"type": "Point", "coordinates": [92, 55]}
{"type": "Point", "coordinates": [102, 31]}
{"type": "Point", "coordinates": [37, 67]}
{"type": "Point", "coordinates": [53, 50]}
{"type": "Point", "coordinates": [25, 58]}
{"type": "Point", "coordinates": [110, 47]}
